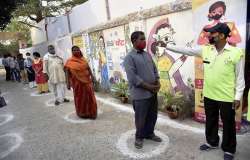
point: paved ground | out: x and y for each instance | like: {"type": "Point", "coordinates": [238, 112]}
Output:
{"type": "Point", "coordinates": [36, 131]}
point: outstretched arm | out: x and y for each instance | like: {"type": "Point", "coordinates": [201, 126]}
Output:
{"type": "Point", "coordinates": [185, 50]}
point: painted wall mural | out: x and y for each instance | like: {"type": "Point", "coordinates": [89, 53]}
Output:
{"type": "Point", "coordinates": [116, 51]}
{"type": "Point", "coordinates": [86, 46]}
{"type": "Point", "coordinates": [99, 59]}
{"type": "Point", "coordinates": [78, 41]}
{"type": "Point", "coordinates": [130, 28]}
{"type": "Point", "coordinates": [207, 14]}
{"type": "Point", "coordinates": [210, 12]}
{"type": "Point", "coordinates": [63, 47]}
{"type": "Point", "coordinates": [216, 14]}
{"type": "Point", "coordinates": [171, 66]}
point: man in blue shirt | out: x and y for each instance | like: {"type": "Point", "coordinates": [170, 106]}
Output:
{"type": "Point", "coordinates": [144, 84]}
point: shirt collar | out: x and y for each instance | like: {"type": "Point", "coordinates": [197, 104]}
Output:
{"type": "Point", "coordinates": [226, 47]}
{"type": "Point", "coordinates": [137, 51]}
{"type": "Point", "coordinates": [52, 55]}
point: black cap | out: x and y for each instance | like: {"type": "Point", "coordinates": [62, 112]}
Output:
{"type": "Point", "coordinates": [220, 27]}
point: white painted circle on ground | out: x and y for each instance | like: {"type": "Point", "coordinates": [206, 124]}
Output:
{"type": "Point", "coordinates": [6, 118]}
{"type": "Point", "coordinates": [123, 147]}
{"type": "Point", "coordinates": [73, 118]}
{"type": "Point", "coordinates": [35, 94]}
{"type": "Point", "coordinates": [4, 93]}
{"type": "Point", "coordinates": [51, 102]}
{"type": "Point", "coordinates": [26, 88]}
{"type": "Point", "coordinates": [7, 101]}
{"type": "Point", "coordinates": [12, 140]}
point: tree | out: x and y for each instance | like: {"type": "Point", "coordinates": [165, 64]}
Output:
{"type": "Point", "coordinates": [7, 7]}
{"type": "Point", "coordinates": [11, 48]}
{"type": "Point", "coordinates": [2, 50]}
{"type": "Point", "coordinates": [24, 30]}
{"type": "Point", "coordinates": [34, 11]}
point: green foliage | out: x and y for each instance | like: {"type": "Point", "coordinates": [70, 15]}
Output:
{"type": "Point", "coordinates": [16, 26]}
{"type": "Point", "coordinates": [178, 103]}
{"type": "Point", "coordinates": [173, 102]}
{"type": "Point", "coordinates": [7, 8]}
{"type": "Point", "coordinates": [35, 11]}
{"type": "Point", "coordinates": [26, 13]}
{"type": "Point", "coordinates": [120, 89]}
{"type": "Point", "coordinates": [11, 48]}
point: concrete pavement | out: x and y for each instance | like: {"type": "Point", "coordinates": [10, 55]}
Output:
{"type": "Point", "coordinates": [32, 130]}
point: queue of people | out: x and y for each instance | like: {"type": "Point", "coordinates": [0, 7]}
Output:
{"type": "Point", "coordinates": [12, 68]}
{"type": "Point", "coordinates": [19, 69]}
{"type": "Point", "coordinates": [223, 86]}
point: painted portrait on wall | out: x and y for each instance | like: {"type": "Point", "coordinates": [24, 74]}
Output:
{"type": "Point", "coordinates": [99, 59]}
{"type": "Point", "coordinates": [116, 51]}
{"type": "Point", "coordinates": [217, 14]}
{"type": "Point", "coordinates": [169, 64]}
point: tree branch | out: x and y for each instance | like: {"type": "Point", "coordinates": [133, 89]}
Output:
{"type": "Point", "coordinates": [30, 25]}
{"type": "Point", "coordinates": [32, 18]}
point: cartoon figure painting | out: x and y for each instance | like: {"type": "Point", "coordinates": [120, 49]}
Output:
{"type": "Point", "coordinates": [103, 68]}
{"type": "Point", "coordinates": [98, 56]}
{"type": "Point", "coordinates": [160, 36]}
{"type": "Point", "coordinates": [217, 15]}
{"type": "Point", "coordinates": [116, 51]}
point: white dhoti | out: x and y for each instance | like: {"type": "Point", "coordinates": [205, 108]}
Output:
{"type": "Point", "coordinates": [54, 68]}
{"type": "Point", "coordinates": [59, 90]}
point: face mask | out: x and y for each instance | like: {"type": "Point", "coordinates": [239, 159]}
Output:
{"type": "Point", "coordinates": [213, 40]}
{"type": "Point", "coordinates": [216, 17]}
{"type": "Point", "coordinates": [141, 45]}
{"type": "Point", "coordinates": [77, 54]}
{"type": "Point", "coordinates": [52, 51]}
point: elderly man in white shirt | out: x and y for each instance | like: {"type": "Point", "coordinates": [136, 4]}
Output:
{"type": "Point", "coordinates": [54, 71]}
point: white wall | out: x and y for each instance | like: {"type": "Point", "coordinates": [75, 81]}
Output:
{"type": "Point", "coordinates": [38, 35]}
{"type": "Point", "coordinates": [42, 48]}
{"type": "Point", "coordinates": [123, 7]}
{"type": "Point", "coordinates": [63, 47]}
{"type": "Point", "coordinates": [57, 27]}
{"type": "Point", "coordinates": [89, 14]}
